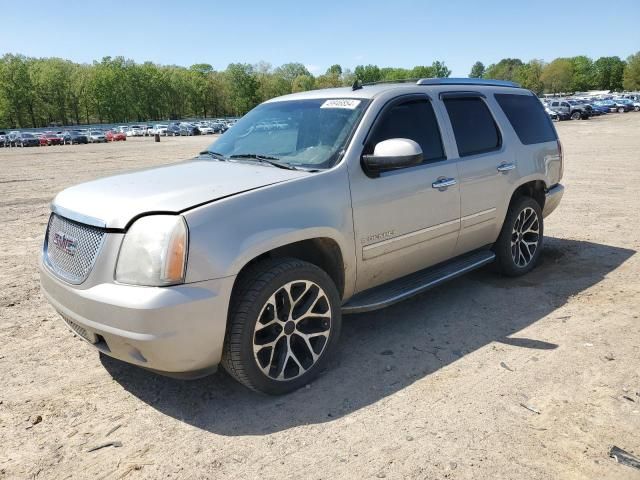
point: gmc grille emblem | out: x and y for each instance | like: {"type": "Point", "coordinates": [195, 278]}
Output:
{"type": "Point", "coordinates": [64, 242]}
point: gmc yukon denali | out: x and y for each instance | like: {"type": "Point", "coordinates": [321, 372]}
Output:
{"type": "Point", "coordinates": [313, 205]}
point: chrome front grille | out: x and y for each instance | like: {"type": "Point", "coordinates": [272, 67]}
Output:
{"type": "Point", "coordinates": [71, 248]}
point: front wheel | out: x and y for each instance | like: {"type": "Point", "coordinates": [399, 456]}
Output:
{"type": "Point", "coordinates": [621, 110]}
{"type": "Point", "coordinates": [284, 323]}
{"type": "Point", "coordinates": [576, 116]}
{"type": "Point", "coordinates": [520, 242]}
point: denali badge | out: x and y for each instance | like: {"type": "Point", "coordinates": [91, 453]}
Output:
{"type": "Point", "coordinates": [65, 243]}
{"type": "Point", "coordinates": [377, 237]}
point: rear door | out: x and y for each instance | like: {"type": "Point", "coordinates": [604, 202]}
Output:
{"type": "Point", "coordinates": [403, 221]}
{"type": "Point", "coordinates": [486, 167]}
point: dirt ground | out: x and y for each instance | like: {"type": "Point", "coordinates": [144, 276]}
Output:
{"type": "Point", "coordinates": [431, 388]}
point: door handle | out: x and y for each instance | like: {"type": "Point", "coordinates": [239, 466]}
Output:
{"type": "Point", "coordinates": [506, 167]}
{"type": "Point", "coordinates": [444, 183]}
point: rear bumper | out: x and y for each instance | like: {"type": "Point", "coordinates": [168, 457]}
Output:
{"type": "Point", "coordinates": [552, 199]}
{"type": "Point", "coordinates": [173, 330]}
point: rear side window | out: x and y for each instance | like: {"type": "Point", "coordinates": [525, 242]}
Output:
{"type": "Point", "coordinates": [473, 125]}
{"type": "Point", "coordinates": [527, 117]}
{"type": "Point", "coordinates": [415, 120]}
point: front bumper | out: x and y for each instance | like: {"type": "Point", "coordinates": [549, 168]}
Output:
{"type": "Point", "coordinates": [552, 199]}
{"type": "Point", "coordinates": [175, 330]}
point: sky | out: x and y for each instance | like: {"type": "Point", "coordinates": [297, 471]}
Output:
{"type": "Point", "coordinates": [397, 33]}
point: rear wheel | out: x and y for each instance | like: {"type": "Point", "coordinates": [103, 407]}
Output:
{"type": "Point", "coordinates": [284, 324]}
{"type": "Point", "coordinates": [520, 242]}
{"type": "Point", "coordinates": [576, 115]}
{"type": "Point", "coordinates": [621, 110]}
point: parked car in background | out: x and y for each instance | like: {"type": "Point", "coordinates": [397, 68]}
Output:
{"type": "Point", "coordinates": [219, 127]}
{"type": "Point", "coordinates": [115, 136]}
{"type": "Point", "coordinates": [575, 110]}
{"type": "Point", "coordinates": [25, 139]}
{"type": "Point", "coordinates": [173, 129]}
{"type": "Point", "coordinates": [11, 138]}
{"type": "Point", "coordinates": [42, 139]}
{"type": "Point", "coordinates": [3, 139]}
{"type": "Point", "coordinates": [599, 109]}
{"type": "Point", "coordinates": [160, 129]}
{"type": "Point", "coordinates": [556, 116]}
{"type": "Point", "coordinates": [188, 129]}
{"type": "Point", "coordinates": [624, 105]}
{"type": "Point", "coordinates": [205, 129]}
{"type": "Point", "coordinates": [69, 137]}
{"type": "Point", "coordinates": [135, 131]}
{"type": "Point", "coordinates": [96, 136]}
{"type": "Point", "coordinates": [52, 138]}
{"type": "Point", "coordinates": [608, 104]}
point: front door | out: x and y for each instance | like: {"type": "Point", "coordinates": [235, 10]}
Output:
{"type": "Point", "coordinates": [407, 219]}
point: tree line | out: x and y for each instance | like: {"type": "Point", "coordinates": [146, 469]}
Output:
{"type": "Point", "coordinates": [564, 75]}
{"type": "Point", "coordinates": [37, 92]}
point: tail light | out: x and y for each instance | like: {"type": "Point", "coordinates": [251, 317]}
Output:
{"type": "Point", "coordinates": [561, 155]}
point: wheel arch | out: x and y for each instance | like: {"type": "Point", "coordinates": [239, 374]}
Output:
{"type": "Point", "coordinates": [321, 251]}
{"type": "Point", "coordinates": [535, 189]}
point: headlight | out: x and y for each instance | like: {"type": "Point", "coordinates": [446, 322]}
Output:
{"type": "Point", "coordinates": [154, 251]}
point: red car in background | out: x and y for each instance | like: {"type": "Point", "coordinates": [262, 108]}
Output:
{"type": "Point", "coordinates": [43, 140]}
{"type": "Point", "coordinates": [50, 138]}
{"type": "Point", "coordinates": [112, 136]}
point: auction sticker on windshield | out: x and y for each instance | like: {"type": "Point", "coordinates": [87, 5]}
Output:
{"type": "Point", "coordinates": [347, 103]}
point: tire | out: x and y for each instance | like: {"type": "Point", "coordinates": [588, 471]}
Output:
{"type": "Point", "coordinates": [576, 115]}
{"type": "Point", "coordinates": [621, 110]}
{"type": "Point", "coordinates": [513, 247]}
{"type": "Point", "coordinates": [266, 353]}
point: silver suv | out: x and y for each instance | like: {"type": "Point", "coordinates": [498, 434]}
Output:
{"type": "Point", "coordinates": [313, 205]}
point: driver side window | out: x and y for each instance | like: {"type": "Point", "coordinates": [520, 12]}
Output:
{"type": "Point", "coordinates": [413, 119]}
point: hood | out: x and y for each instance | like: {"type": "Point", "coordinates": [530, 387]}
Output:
{"type": "Point", "coordinates": [113, 202]}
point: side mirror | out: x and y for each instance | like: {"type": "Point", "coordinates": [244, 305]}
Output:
{"type": "Point", "coordinates": [392, 154]}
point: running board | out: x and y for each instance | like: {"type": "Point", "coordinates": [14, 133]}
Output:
{"type": "Point", "coordinates": [402, 288]}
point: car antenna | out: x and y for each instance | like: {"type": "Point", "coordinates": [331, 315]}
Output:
{"type": "Point", "coordinates": [357, 85]}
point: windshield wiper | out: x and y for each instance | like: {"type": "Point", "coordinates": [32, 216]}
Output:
{"type": "Point", "coordinates": [216, 155]}
{"type": "Point", "coordinates": [266, 159]}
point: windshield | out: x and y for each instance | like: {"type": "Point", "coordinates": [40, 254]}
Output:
{"type": "Point", "coordinates": [302, 133]}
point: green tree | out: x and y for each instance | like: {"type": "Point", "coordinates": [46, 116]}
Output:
{"type": "Point", "coordinates": [422, 71]}
{"type": "Point", "coordinates": [631, 77]}
{"type": "Point", "coordinates": [583, 74]}
{"type": "Point", "coordinates": [243, 87]}
{"type": "Point", "coordinates": [477, 70]}
{"type": "Point", "coordinates": [440, 70]}
{"type": "Point", "coordinates": [505, 69]}
{"type": "Point", "coordinates": [557, 76]}
{"type": "Point", "coordinates": [368, 73]}
{"type": "Point", "coordinates": [529, 76]}
{"type": "Point", "coordinates": [335, 70]}
{"type": "Point", "coordinates": [609, 72]}
{"type": "Point", "coordinates": [302, 83]}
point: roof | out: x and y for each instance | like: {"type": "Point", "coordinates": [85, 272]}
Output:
{"type": "Point", "coordinates": [423, 85]}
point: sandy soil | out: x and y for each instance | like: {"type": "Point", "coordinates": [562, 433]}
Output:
{"type": "Point", "coordinates": [431, 388]}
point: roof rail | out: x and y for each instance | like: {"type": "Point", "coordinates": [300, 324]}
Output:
{"type": "Point", "coordinates": [467, 81]}
{"type": "Point", "coordinates": [399, 80]}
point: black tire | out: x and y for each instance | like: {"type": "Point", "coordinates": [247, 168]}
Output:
{"type": "Point", "coordinates": [510, 244]}
{"type": "Point", "coordinates": [576, 115]}
{"type": "Point", "coordinates": [621, 110]}
{"type": "Point", "coordinates": [251, 299]}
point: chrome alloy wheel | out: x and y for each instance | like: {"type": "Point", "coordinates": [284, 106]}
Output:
{"type": "Point", "coordinates": [292, 330]}
{"type": "Point", "coordinates": [525, 237]}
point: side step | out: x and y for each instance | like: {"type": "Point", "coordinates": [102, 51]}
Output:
{"type": "Point", "coordinates": [418, 282]}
